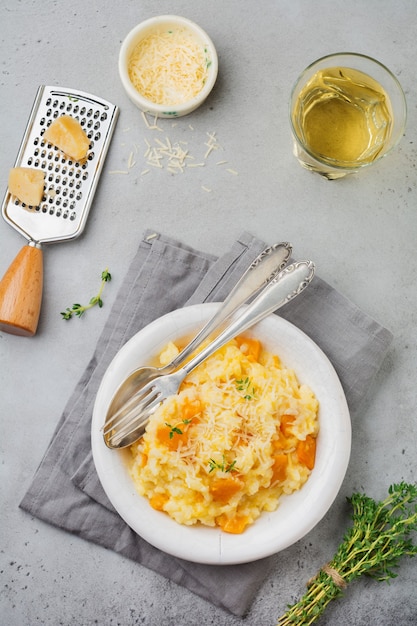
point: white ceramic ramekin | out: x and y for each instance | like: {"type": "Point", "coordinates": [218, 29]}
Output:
{"type": "Point", "coordinates": [143, 30]}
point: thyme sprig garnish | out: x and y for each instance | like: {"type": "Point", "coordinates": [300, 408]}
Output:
{"type": "Point", "coordinates": [379, 537]}
{"type": "Point", "coordinates": [175, 430]}
{"type": "Point", "coordinates": [223, 466]}
{"type": "Point", "coordinates": [245, 385]}
{"type": "Point", "coordinates": [79, 309]}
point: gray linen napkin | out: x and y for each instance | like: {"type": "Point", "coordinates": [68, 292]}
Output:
{"type": "Point", "coordinates": [66, 491]}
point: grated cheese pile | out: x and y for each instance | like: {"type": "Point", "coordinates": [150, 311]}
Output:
{"type": "Point", "coordinates": [169, 66]}
{"type": "Point", "coordinates": [174, 155]}
{"type": "Point", "coordinates": [240, 432]}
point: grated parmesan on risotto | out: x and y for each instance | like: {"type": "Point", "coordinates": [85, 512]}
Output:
{"type": "Point", "coordinates": [240, 433]}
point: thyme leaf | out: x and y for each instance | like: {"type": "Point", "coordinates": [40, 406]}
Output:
{"type": "Point", "coordinates": [222, 465]}
{"type": "Point", "coordinates": [175, 429]}
{"type": "Point", "coordinates": [78, 309]}
{"type": "Point", "coordinates": [245, 385]}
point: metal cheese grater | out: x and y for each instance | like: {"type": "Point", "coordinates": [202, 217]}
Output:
{"type": "Point", "coordinates": [68, 194]}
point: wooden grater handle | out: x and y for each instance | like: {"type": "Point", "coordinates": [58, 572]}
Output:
{"type": "Point", "coordinates": [21, 292]}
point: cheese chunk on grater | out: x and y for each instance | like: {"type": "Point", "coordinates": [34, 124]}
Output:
{"type": "Point", "coordinates": [68, 194]}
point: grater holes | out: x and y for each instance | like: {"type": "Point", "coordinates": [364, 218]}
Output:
{"type": "Point", "coordinates": [65, 179]}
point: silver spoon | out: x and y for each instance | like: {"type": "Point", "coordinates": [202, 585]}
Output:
{"type": "Point", "coordinates": [266, 265]}
{"type": "Point", "coordinates": [128, 424]}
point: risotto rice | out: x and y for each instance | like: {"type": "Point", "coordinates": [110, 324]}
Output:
{"type": "Point", "coordinates": [240, 433]}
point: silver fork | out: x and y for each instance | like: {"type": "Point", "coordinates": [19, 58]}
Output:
{"type": "Point", "coordinates": [127, 425]}
{"type": "Point", "coordinates": [264, 267]}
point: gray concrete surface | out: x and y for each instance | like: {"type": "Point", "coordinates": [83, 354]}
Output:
{"type": "Point", "coordinates": [361, 232]}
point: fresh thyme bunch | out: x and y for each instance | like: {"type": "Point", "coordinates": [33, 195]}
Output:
{"type": "Point", "coordinates": [378, 538]}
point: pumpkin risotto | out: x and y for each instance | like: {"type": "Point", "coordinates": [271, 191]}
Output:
{"type": "Point", "coordinates": [240, 432]}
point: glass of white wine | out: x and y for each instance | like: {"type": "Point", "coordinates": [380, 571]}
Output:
{"type": "Point", "coordinates": [347, 111]}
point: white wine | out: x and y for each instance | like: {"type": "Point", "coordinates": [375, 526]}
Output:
{"type": "Point", "coordinates": [343, 117]}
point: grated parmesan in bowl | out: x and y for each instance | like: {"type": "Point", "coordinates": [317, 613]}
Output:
{"type": "Point", "coordinates": [168, 66]}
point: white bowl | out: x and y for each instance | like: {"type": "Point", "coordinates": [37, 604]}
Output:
{"type": "Point", "coordinates": [145, 29]}
{"type": "Point", "coordinates": [296, 514]}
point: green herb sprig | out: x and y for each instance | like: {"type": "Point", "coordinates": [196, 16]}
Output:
{"type": "Point", "coordinates": [245, 385]}
{"type": "Point", "coordinates": [379, 537]}
{"type": "Point", "coordinates": [222, 466]}
{"type": "Point", "coordinates": [175, 430]}
{"type": "Point", "coordinates": [78, 309]}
